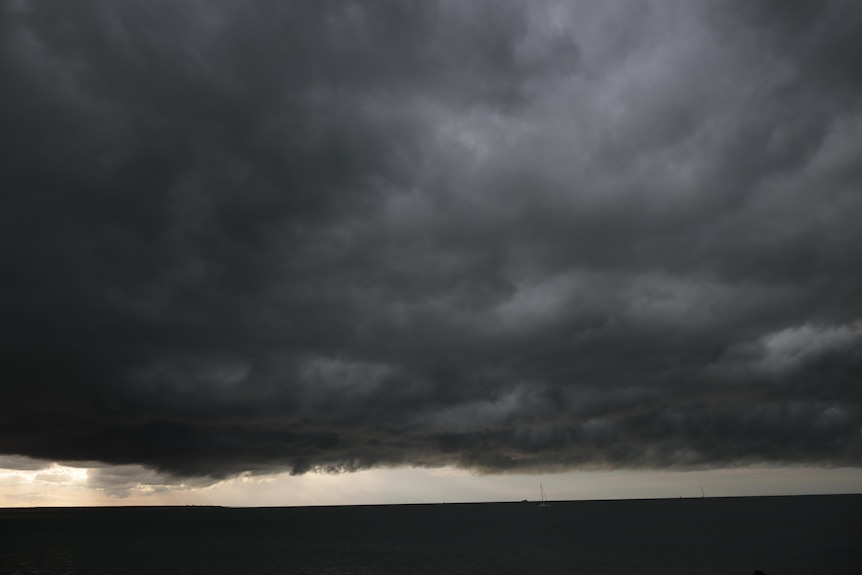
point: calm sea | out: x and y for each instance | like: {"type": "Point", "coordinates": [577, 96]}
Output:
{"type": "Point", "coordinates": [778, 535]}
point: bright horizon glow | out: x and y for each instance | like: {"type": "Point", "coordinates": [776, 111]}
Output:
{"type": "Point", "coordinates": [67, 485]}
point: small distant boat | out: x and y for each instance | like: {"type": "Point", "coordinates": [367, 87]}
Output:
{"type": "Point", "coordinates": [544, 502]}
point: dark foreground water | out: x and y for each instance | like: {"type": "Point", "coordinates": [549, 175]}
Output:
{"type": "Point", "coordinates": [778, 535]}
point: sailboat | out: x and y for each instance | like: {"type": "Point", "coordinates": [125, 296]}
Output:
{"type": "Point", "coordinates": [544, 502]}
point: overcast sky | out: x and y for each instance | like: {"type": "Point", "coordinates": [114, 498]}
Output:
{"type": "Point", "coordinates": [499, 236]}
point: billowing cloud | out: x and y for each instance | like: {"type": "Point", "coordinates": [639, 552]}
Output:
{"type": "Point", "coordinates": [791, 349]}
{"type": "Point", "coordinates": [496, 235]}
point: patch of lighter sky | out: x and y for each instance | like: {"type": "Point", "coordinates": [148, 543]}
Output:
{"type": "Point", "coordinates": [417, 485]}
{"type": "Point", "coordinates": [53, 485]}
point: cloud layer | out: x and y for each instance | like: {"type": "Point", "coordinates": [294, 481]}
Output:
{"type": "Point", "coordinates": [496, 235]}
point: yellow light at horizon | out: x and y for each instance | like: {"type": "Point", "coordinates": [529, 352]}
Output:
{"type": "Point", "coordinates": [55, 474]}
{"type": "Point", "coordinates": [56, 484]}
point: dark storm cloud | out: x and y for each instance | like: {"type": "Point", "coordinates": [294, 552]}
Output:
{"type": "Point", "coordinates": [500, 235]}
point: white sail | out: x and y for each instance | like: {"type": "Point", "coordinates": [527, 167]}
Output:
{"type": "Point", "coordinates": [544, 502]}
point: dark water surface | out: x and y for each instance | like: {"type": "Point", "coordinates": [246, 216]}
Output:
{"type": "Point", "coordinates": [779, 535]}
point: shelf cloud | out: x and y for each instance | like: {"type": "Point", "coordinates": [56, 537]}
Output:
{"type": "Point", "coordinates": [504, 236]}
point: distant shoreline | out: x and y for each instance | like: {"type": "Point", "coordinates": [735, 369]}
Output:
{"type": "Point", "coordinates": [430, 504]}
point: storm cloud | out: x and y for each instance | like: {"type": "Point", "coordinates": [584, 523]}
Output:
{"type": "Point", "coordinates": [505, 236]}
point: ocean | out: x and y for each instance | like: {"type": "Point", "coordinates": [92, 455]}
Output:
{"type": "Point", "coordinates": [776, 535]}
